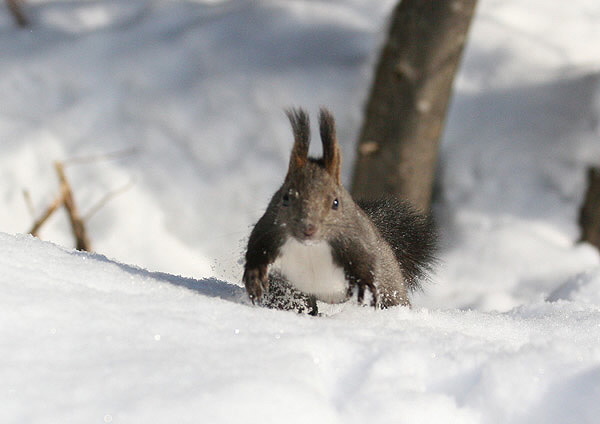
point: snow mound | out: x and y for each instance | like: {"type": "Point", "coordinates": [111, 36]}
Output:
{"type": "Point", "coordinates": [85, 339]}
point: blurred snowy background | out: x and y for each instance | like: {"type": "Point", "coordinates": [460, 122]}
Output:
{"type": "Point", "coordinates": [508, 332]}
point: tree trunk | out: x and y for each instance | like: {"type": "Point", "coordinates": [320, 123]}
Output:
{"type": "Point", "coordinates": [398, 145]}
{"type": "Point", "coordinates": [589, 216]}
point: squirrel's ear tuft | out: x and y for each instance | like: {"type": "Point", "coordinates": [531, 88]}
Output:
{"type": "Point", "coordinates": [301, 128]}
{"type": "Point", "coordinates": [332, 158]}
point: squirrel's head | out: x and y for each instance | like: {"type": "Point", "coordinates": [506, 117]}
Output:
{"type": "Point", "coordinates": [312, 198]}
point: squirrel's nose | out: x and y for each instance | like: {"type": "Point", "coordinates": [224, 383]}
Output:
{"type": "Point", "coordinates": [309, 229]}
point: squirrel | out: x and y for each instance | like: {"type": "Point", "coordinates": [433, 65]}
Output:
{"type": "Point", "coordinates": [314, 242]}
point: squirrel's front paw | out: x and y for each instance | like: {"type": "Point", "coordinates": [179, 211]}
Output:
{"type": "Point", "coordinates": [361, 293]}
{"type": "Point", "coordinates": [256, 282]}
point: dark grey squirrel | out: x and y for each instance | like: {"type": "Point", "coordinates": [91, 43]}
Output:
{"type": "Point", "coordinates": [315, 243]}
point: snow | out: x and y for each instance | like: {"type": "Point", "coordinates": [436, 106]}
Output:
{"type": "Point", "coordinates": [156, 328]}
{"type": "Point", "coordinates": [85, 338]}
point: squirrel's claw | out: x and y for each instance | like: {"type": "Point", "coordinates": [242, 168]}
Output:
{"type": "Point", "coordinates": [374, 296]}
{"type": "Point", "coordinates": [256, 282]}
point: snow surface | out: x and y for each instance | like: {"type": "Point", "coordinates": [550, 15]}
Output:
{"type": "Point", "coordinates": [508, 332]}
{"type": "Point", "coordinates": [86, 339]}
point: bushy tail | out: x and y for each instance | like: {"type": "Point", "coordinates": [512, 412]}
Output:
{"type": "Point", "coordinates": [412, 236]}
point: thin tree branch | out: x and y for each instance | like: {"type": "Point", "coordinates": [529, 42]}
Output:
{"type": "Point", "coordinates": [28, 202]}
{"type": "Point", "coordinates": [66, 199]}
{"type": "Point", "coordinates": [107, 198]}
{"type": "Point", "coordinates": [57, 203]}
{"type": "Point", "coordinates": [15, 9]}
{"type": "Point", "coordinates": [104, 156]}
{"type": "Point", "coordinates": [77, 225]}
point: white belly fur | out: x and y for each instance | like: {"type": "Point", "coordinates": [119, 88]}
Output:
{"type": "Point", "coordinates": [310, 269]}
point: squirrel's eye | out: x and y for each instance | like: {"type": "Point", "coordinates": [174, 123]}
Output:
{"type": "Point", "coordinates": [285, 200]}
{"type": "Point", "coordinates": [336, 204]}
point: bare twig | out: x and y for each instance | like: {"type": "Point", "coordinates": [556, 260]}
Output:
{"type": "Point", "coordinates": [28, 202]}
{"type": "Point", "coordinates": [15, 9]}
{"type": "Point", "coordinates": [77, 225]}
{"type": "Point", "coordinates": [65, 198]}
{"type": "Point", "coordinates": [107, 198]}
{"type": "Point", "coordinates": [57, 203]}
{"type": "Point", "coordinates": [104, 156]}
